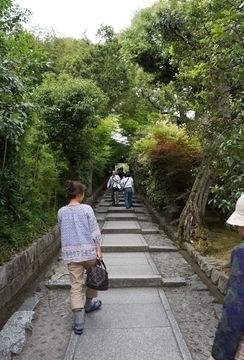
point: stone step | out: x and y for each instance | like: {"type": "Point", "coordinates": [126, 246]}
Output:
{"type": "Point", "coordinates": [125, 216]}
{"type": "Point", "coordinates": [130, 226]}
{"type": "Point", "coordinates": [126, 227]}
{"type": "Point", "coordinates": [116, 281]}
{"type": "Point", "coordinates": [130, 231]}
{"type": "Point", "coordinates": [125, 269]}
{"type": "Point", "coordinates": [120, 281]}
{"type": "Point", "coordinates": [123, 243]}
{"type": "Point", "coordinates": [135, 248]}
{"type": "Point", "coordinates": [174, 281]}
{"type": "Point", "coordinates": [121, 216]}
{"type": "Point", "coordinates": [100, 210]}
{"type": "Point", "coordinates": [120, 210]}
{"type": "Point", "coordinates": [124, 248]}
{"type": "Point", "coordinates": [122, 231]}
{"type": "Point", "coordinates": [121, 199]}
{"type": "Point", "coordinates": [109, 205]}
{"type": "Point", "coordinates": [150, 231]}
{"type": "Point", "coordinates": [159, 248]}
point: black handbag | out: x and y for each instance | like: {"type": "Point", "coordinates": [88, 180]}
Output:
{"type": "Point", "coordinates": [97, 276]}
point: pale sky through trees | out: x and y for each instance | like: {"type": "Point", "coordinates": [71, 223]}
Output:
{"type": "Point", "coordinates": [74, 17]}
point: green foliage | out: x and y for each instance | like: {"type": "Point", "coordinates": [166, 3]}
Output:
{"type": "Point", "coordinates": [178, 63]}
{"type": "Point", "coordinates": [101, 63]}
{"type": "Point", "coordinates": [22, 63]}
{"type": "Point", "coordinates": [145, 45]}
{"type": "Point", "coordinates": [162, 163]}
{"type": "Point", "coordinates": [28, 194]}
{"type": "Point", "coordinates": [229, 184]}
{"type": "Point", "coordinates": [71, 111]}
{"type": "Point", "coordinates": [193, 54]}
{"type": "Point", "coordinates": [19, 235]}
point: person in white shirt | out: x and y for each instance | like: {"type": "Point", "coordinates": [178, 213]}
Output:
{"type": "Point", "coordinates": [114, 185]}
{"type": "Point", "coordinates": [127, 184]}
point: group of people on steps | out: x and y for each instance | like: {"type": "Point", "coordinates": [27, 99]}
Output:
{"type": "Point", "coordinates": [120, 181]}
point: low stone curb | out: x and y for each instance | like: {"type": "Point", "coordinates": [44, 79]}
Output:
{"type": "Point", "coordinates": [208, 266]}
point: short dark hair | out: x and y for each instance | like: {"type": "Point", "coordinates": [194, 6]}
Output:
{"type": "Point", "coordinates": [74, 188]}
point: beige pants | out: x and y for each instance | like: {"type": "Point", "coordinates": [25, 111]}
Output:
{"type": "Point", "coordinates": [76, 274]}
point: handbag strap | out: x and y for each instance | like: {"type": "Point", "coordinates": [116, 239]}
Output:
{"type": "Point", "coordinates": [101, 263]}
{"type": "Point", "coordinates": [126, 181]}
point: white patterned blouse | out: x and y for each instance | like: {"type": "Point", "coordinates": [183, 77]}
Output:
{"type": "Point", "coordinates": [79, 233]}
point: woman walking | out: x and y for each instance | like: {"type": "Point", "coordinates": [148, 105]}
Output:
{"type": "Point", "coordinates": [229, 336]}
{"type": "Point", "coordinates": [127, 184]}
{"type": "Point", "coordinates": [80, 248]}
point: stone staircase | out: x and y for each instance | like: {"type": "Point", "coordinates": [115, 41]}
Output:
{"type": "Point", "coordinates": [136, 321]}
{"type": "Point", "coordinates": [126, 253]}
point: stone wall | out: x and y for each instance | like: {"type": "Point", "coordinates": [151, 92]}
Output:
{"type": "Point", "coordinates": [27, 265]}
{"type": "Point", "coordinates": [17, 272]}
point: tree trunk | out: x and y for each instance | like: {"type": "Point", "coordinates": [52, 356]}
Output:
{"type": "Point", "coordinates": [191, 225]}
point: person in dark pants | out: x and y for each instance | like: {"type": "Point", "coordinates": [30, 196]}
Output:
{"type": "Point", "coordinates": [114, 185]}
{"type": "Point", "coordinates": [127, 184]}
{"type": "Point", "coordinates": [229, 341]}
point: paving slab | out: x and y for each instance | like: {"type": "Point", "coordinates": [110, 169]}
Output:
{"type": "Point", "coordinates": [123, 226]}
{"type": "Point", "coordinates": [132, 263]}
{"type": "Point", "coordinates": [128, 344]}
{"type": "Point", "coordinates": [119, 281]}
{"type": "Point", "coordinates": [123, 243]}
{"type": "Point", "coordinates": [100, 210]}
{"type": "Point", "coordinates": [121, 216]}
{"type": "Point", "coordinates": [132, 324]}
{"type": "Point", "coordinates": [120, 209]}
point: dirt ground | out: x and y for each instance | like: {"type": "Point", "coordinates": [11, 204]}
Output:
{"type": "Point", "coordinates": [220, 243]}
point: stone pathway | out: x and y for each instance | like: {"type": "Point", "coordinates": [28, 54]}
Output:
{"type": "Point", "coordinates": [156, 307]}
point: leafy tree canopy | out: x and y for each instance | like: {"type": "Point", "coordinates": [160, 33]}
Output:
{"type": "Point", "coordinates": [71, 106]}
